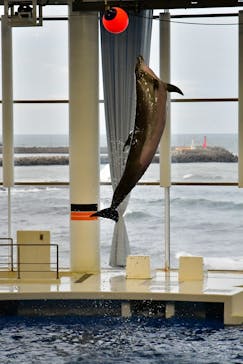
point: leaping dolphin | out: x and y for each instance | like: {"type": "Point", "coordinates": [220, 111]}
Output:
{"type": "Point", "coordinates": [144, 139]}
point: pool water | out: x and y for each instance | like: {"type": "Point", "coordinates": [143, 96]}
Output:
{"type": "Point", "coordinates": [116, 340]}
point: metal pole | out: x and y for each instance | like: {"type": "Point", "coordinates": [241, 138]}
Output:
{"type": "Point", "coordinates": [167, 228]}
{"type": "Point", "coordinates": [57, 276]}
{"type": "Point", "coordinates": [11, 248]}
{"type": "Point", "coordinates": [240, 103]}
{"type": "Point", "coordinates": [10, 227]}
{"type": "Point", "coordinates": [18, 261]}
{"type": "Point", "coordinates": [165, 154]}
{"type": "Point", "coordinates": [9, 213]}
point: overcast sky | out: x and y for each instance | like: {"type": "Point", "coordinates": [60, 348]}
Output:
{"type": "Point", "coordinates": [204, 64]}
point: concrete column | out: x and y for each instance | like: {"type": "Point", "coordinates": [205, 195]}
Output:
{"type": "Point", "coordinates": [7, 104]}
{"type": "Point", "coordinates": [84, 140]}
{"type": "Point", "coordinates": [240, 114]}
{"type": "Point", "coordinates": [7, 113]}
{"type": "Point", "coordinates": [165, 153]}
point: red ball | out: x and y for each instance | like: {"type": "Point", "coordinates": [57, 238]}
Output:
{"type": "Point", "coordinates": [115, 20]}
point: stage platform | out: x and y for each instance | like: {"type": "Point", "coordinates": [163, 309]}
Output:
{"type": "Point", "coordinates": [218, 296]}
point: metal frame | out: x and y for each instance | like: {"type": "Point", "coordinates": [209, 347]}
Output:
{"type": "Point", "coordinates": [18, 263]}
{"type": "Point", "coordinates": [136, 5]}
{"type": "Point", "coordinates": [11, 244]}
{"type": "Point", "coordinates": [149, 4]}
{"type": "Point", "coordinates": [30, 14]}
{"type": "Point", "coordinates": [240, 104]}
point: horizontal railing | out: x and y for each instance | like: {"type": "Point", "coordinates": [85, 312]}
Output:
{"type": "Point", "coordinates": [10, 245]}
{"type": "Point", "coordinates": [182, 100]}
{"type": "Point", "coordinates": [16, 265]}
{"type": "Point", "coordinates": [141, 183]}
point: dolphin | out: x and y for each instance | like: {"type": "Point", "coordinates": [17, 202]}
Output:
{"type": "Point", "coordinates": [149, 125]}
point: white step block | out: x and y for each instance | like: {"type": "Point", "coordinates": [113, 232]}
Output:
{"type": "Point", "coordinates": [138, 267]}
{"type": "Point", "coordinates": [191, 268]}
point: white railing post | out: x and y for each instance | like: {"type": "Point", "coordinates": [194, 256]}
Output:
{"type": "Point", "coordinates": [240, 103]}
{"type": "Point", "coordinates": [7, 113]}
{"type": "Point", "coordinates": [165, 154]}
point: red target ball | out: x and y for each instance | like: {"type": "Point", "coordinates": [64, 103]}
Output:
{"type": "Point", "coordinates": [115, 20]}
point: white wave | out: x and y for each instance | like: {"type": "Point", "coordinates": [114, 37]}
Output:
{"type": "Point", "coordinates": [221, 263]}
{"type": "Point", "coordinates": [187, 176]}
{"type": "Point", "coordinates": [217, 263]}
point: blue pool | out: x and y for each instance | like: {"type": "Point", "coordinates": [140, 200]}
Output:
{"type": "Point", "coordinates": [116, 340]}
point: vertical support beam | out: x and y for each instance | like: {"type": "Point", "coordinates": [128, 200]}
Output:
{"type": "Point", "coordinates": [9, 213]}
{"type": "Point", "coordinates": [165, 154]}
{"type": "Point", "coordinates": [84, 140]}
{"type": "Point", "coordinates": [7, 112]}
{"type": "Point", "coordinates": [240, 105]}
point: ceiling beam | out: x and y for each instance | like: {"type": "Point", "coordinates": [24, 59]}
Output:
{"type": "Point", "coordinates": [137, 5]}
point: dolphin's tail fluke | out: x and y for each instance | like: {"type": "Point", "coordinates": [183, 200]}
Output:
{"type": "Point", "coordinates": [108, 213]}
{"type": "Point", "coordinates": [172, 88]}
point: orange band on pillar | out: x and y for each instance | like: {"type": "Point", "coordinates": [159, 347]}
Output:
{"type": "Point", "coordinates": [83, 211]}
{"type": "Point", "coordinates": [83, 215]}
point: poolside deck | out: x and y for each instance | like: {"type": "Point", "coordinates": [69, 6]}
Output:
{"type": "Point", "coordinates": [219, 295]}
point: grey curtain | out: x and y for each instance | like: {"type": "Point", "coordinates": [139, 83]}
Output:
{"type": "Point", "coordinates": [119, 54]}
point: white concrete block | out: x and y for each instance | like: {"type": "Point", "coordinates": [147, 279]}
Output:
{"type": "Point", "coordinates": [34, 260]}
{"type": "Point", "coordinates": [138, 267]}
{"type": "Point", "coordinates": [190, 268]}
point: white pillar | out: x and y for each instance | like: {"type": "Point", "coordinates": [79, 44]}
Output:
{"type": "Point", "coordinates": [7, 104]}
{"type": "Point", "coordinates": [240, 114]}
{"type": "Point", "coordinates": [165, 154]}
{"type": "Point", "coordinates": [7, 113]}
{"type": "Point", "coordinates": [84, 140]}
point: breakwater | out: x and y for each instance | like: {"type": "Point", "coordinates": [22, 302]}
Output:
{"type": "Point", "coordinates": [200, 154]}
{"type": "Point", "coordinates": [29, 156]}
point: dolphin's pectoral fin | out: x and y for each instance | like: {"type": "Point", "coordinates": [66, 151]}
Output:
{"type": "Point", "coordinates": [128, 141]}
{"type": "Point", "coordinates": [172, 88]}
{"type": "Point", "coordinates": [109, 213]}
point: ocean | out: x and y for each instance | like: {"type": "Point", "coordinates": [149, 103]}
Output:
{"type": "Point", "coordinates": [205, 220]}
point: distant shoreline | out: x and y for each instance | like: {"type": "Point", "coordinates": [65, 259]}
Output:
{"type": "Point", "coordinates": [59, 155]}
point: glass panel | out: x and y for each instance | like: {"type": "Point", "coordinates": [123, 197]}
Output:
{"type": "Point", "coordinates": [55, 11]}
{"type": "Point", "coordinates": [208, 67]}
{"type": "Point", "coordinates": [0, 59]}
{"type": "Point", "coordinates": [144, 219]}
{"type": "Point", "coordinates": [40, 61]}
{"type": "Point", "coordinates": [50, 213]}
{"type": "Point", "coordinates": [199, 132]}
{"type": "Point", "coordinates": [207, 221]}
{"type": "Point", "coordinates": [152, 173]}
{"type": "Point", "coordinates": [200, 222]}
{"type": "Point", "coordinates": [204, 58]}
{"type": "Point", "coordinates": [41, 119]}
{"type": "Point", "coordinates": [4, 210]}
{"type": "Point", "coordinates": [103, 141]}
{"type": "Point", "coordinates": [154, 50]}
{"type": "Point", "coordinates": [1, 141]}
{"type": "Point", "coordinates": [41, 125]}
